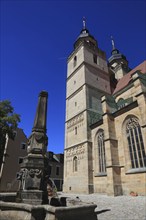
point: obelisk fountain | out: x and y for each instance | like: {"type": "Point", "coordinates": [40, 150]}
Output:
{"type": "Point", "coordinates": [34, 176]}
{"type": "Point", "coordinates": [34, 171]}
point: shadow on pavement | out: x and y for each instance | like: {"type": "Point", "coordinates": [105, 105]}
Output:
{"type": "Point", "coordinates": [101, 211]}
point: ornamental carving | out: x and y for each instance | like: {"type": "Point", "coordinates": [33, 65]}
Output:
{"type": "Point", "coordinates": [76, 151]}
{"type": "Point", "coordinates": [75, 121]}
{"type": "Point", "coordinates": [35, 172]}
{"type": "Point", "coordinates": [132, 123]}
{"type": "Point", "coordinates": [22, 176]}
{"type": "Point", "coordinates": [37, 143]}
{"type": "Point", "coordinates": [27, 176]}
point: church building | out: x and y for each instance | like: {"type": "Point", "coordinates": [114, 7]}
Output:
{"type": "Point", "coordinates": [105, 127]}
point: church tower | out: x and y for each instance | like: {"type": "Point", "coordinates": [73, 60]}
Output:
{"type": "Point", "coordinates": [87, 81]}
{"type": "Point", "coordinates": [118, 63]}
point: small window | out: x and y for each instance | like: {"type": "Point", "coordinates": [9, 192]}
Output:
{"type": "Point", "coordinates": [95, 58]}
{"type": "Point", "coordinates": [74, 82]}
{"type": "Point", "coordinates": [23, 146]}
{"type": "Point", "coordinates": [75, 165]}
{"type": "Point", "coordinates": [20, 160]}
{"type": "Point", "coordinates": [57, 171]}
{"type": "Point", "coordinates": [75, 61]}
{"type": "Point", "coordinates": [76, 130]}
{"type": "Point", "coordinates": [75, 103]}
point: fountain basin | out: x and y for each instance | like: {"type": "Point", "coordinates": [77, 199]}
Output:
{"type": "Point", "coordinates": [16, 211]}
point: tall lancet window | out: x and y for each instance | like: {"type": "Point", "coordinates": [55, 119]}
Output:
{"type": "Point", "coordinates": [135, 143]}
{"type": "Point", "coordinates": [101, 152]}
{"type": "Point", "coordinates": [75, 164]}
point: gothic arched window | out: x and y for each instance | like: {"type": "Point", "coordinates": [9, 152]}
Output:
{"type": "Point", "coordinates": [135, 143]}
{"type": "Point", "coordinates": [75, 165]}
{"type": "Point", "coordinates": [101, 151]}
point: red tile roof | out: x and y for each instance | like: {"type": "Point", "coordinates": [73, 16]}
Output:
{"type": "Point", "coordinates": [124, 81]}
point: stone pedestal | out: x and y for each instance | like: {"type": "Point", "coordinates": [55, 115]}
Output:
{"type": "Point", "coordinates": [31, 197]}
{"type": "Point", "coordinates": [33, 188]}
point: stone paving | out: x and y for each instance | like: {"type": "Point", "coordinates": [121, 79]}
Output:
{"type": "Point", "coordinates": [115, 208]}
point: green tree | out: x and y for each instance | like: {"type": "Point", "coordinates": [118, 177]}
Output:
{"type": "Point", "coordinates": [8, 123]}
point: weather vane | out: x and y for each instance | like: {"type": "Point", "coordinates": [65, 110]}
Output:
{"type": "Point", "coordinates": [84, 23]}
{"type": "Point", "coordinates": [113, 43]}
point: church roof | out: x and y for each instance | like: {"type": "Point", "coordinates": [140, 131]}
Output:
{"type": "Point", "coordinates": [125, 80]}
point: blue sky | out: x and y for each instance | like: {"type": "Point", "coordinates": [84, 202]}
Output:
{"type": "Point", "coordinates": [38, 36]}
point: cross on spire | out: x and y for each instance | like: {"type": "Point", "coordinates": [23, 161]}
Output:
{"type": "Point", "coordinates": [113, 43]}
{"type": "Point", "coordinates": [84, 23]}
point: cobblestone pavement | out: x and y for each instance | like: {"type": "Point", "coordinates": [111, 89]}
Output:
{"type": "Point", "coordinates": [115, 208]}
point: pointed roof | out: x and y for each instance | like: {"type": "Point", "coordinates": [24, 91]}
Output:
{"type": "Point", "coordinates": [125, 80]}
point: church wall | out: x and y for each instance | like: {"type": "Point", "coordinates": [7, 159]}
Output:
{"type": "Point", "coordinates": [75, 82]}
{"type": "Point", "coordinates": [100, 181]}
{"type": "Point", "coordinates": [76, 130]}
{"type": "Point", "coordinates": [101, 63]}
{"type": "Point", "coordinates": [133, 183]}
{"type": "Point", "coordinates": [97, 79]}
{"type": "Point", "coordinates": [93, 101]}
{"type": "Point", "coordinates": [76, 104]}
{"type": "Point", "coordinates": [100, 184]}
{"type": "Point", "coordinates": [78, 181]}
{"type": "Point", "coordinates": [130, 181]}
{"type": "Point", "coordinates": [126, 94]}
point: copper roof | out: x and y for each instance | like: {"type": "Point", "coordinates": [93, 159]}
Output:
{"type": "Point", "coordinates": [124, 81]}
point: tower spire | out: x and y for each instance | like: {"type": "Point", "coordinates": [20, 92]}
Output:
{"type": "Point", "coordinates": [113, 43]}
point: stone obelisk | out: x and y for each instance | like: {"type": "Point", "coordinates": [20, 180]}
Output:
{"type": "Point", "coordinates": [34, 169]}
